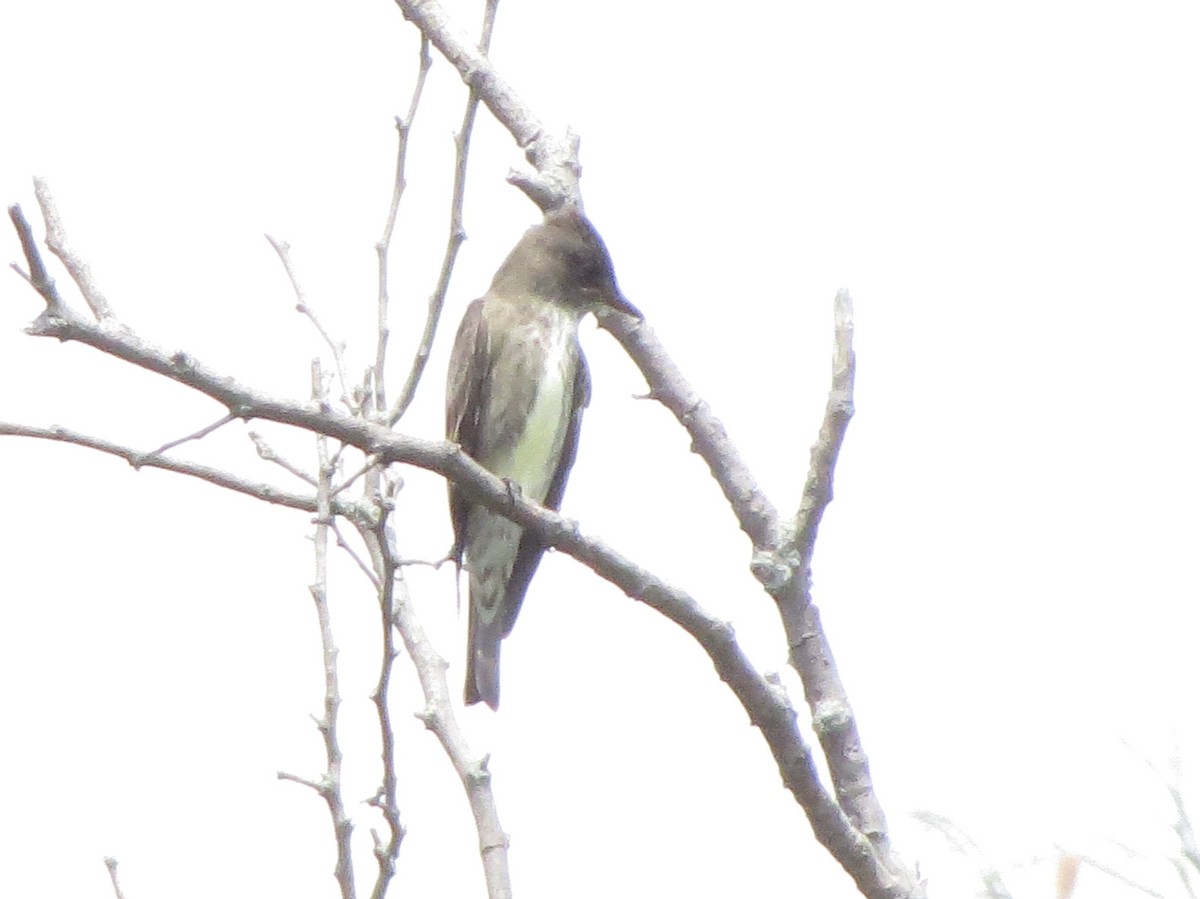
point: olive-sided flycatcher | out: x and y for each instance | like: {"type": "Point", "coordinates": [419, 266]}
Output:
{"type": "Point", "coordinates": [515, 395]}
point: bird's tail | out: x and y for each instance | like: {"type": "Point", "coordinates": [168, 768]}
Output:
{"type": "Point", "coordinates": [483, 660]}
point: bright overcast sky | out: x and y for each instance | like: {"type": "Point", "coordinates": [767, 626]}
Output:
{"type": "Point", "coordinates": [1007, 574]}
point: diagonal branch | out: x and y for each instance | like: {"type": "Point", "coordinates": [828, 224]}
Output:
{"type": "Point", "coordinates": [754, 511]}
{"type": "Point", "coordinates": [56, 240]}
{"type": "Point", "coordinates": [196, 435]}
{"type": "Point", "coordinates": [438, 716]}
{"type": "Point", "coordinates": [284, 250]}
{"type": "Point", "coordinates": [38, 277]}
{"type": "Point", "coordinates": [555, 160]}
{"type": "Point", "coordinates": [111, 864]}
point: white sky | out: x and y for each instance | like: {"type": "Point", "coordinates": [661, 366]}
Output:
{"type": "Point", "coordinates": [1007, 573]}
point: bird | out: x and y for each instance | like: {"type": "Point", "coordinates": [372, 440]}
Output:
{"type": "Point", "coordinates": [515, 394]}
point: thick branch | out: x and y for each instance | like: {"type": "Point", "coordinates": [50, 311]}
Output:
{"type": "Point", "coordinates": [809, 650]}
{"type": "Point", "coordinates": [754, 511]}
{"type": "Point", "coordinates": [438, 716]}
{"type": "Point", "coordinates": [555, 160]}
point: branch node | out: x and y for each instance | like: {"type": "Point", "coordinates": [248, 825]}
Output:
{"type": "Point", "coordinates": [772, 569]}
{"type": "Point", "coordinates": [829, 716]}
{"type": "Point", "coordinates": [183, 363]}
{"type": "Point", "coordinates": [479, 774]}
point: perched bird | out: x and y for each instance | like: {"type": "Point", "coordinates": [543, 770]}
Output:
{"type": "Point", "coordinates": [515, 394]}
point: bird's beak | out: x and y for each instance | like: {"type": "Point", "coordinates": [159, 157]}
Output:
{"type": "Point", "coordinates": [616, 300]}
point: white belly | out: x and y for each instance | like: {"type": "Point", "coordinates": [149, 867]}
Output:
{"type": "Point", "coordinates": [532, 460]}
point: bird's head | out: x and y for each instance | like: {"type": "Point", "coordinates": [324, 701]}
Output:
{"type": "Point", "coordinates": [563, 259]}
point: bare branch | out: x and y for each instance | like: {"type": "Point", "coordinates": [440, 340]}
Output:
{"type": "Point", "coordinates": [839, 409]}
{"type": "Point", "coordinates": [962, 842]}
{"type": "Point", "coordinates": [198, 435]}
{"type": "Point", "coordinates": [349, 482]}
{"type": "Point", "coordinates": [56, 240]}
{"type": "Point", "coordinates": [783, 557]}
{"type": "Point", "coordinates": [38, 277]}
{"type": "Point", "coordinates": [438, 716]}
{"type": "Point", "coordinates": [1187, 864]}
{"type": "Point", "coordinates": [111, 864]}
{"type": "Point", "coordinates": [330, 784]}
{"type": "Point", "coordinates": [437, 300]}
{"type": "Point", "coordinates": [353, 554]}
{"type": "Point", "coordinates": [556, 162]}
{"type": "Point", "coordinates": [383, 247]}
{"type": "Point", "coordinates": [1117, 875]}
{"type": "Point", "coordinates": [387, 848]}
{"type": "Point", "coordinates": [267, 453]}
{"type": "Point", "coordinates": [754, 511]}
{"type": "Point", "coordinates": [1182, 825]}
{"type": "Point", "coordinates": [317, 786]}
{"type": "Point", "coordinates": [283, 249]}
{"type": "Point", "coordinates": [809, 650]}
{"type": "Point", "coordinates": [139, 459]}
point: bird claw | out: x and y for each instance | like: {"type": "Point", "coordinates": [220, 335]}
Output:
{"type": "Point", "coordinates": [514, 489]}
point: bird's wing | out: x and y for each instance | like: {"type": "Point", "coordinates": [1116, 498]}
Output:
{"type": "Point", "coordinates": [466, 385]}
{"type": "Point", "coordinates": [530, 550]}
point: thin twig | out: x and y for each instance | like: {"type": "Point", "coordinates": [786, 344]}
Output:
{"type": "Point", "coordinates": [1182, 826]}
{"type": "Point", "coordinates": [454, 242]}
{"type": "Point", "coordinates": [138, 459]}
{"type": "Point", "coordinates": [348, 482]}
{"type": "Point", "coordinates": [1117, 875]}
{"type": "Point", "coordinates": [839, 409]}
{"type": "Point", "coordinates": [387, 847]}
{"type": "Point", "coordinates": [268, 454]}
{"type": "Point", "coordinates": [555, 160]}
{"type": "Point", "coordinates": [383, 247]}
{"type": "Point", "coordinates": [56, 240]}
{"type": "Point", "coordinates": [38, 277]}
{"type": "Point", "coordinates": [964, 845]}
{"type": "Point", "coordinates": [198, 435]}
{"type": "Point", "coordinates": [1187, 865]}
{"type": "Point", "coordinates": [111, 864]}
{"type": "Point", "coordinates": [329, 786]}
{"type": "Point", "coordinates": [353, 554]}
{"type": "Point", "coordinates": [284, 250]}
